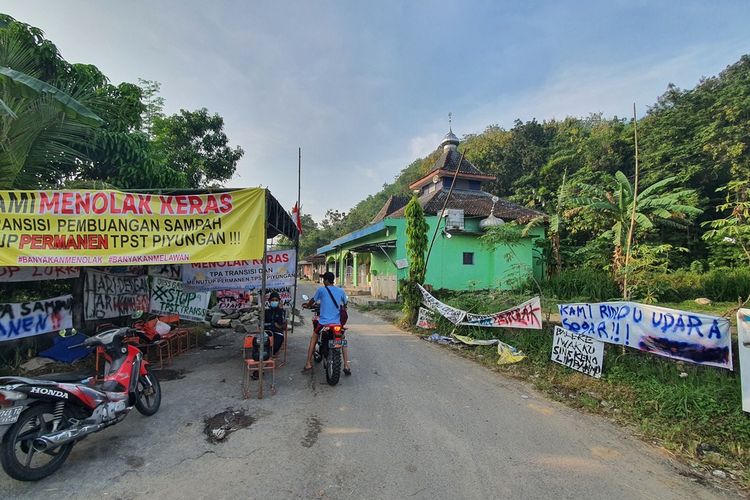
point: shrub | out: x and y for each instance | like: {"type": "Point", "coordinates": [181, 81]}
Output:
{"type": "Point", "coordinates": [582, 283]}
{"type": "Point", "coordinates": [727, 284]}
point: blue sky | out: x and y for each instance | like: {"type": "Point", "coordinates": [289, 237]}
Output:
{"type": "Point", "coordinates": [365, 87]}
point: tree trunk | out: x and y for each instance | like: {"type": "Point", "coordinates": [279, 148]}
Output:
{"type": "Point", "coordinates": [556, 254]}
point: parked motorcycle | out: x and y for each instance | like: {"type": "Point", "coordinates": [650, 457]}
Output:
{"type": "Point", "coordinates": [47, 416]}
{"type": "Point", "coordinates": [331, 340]}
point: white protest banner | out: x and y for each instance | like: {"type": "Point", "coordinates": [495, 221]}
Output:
{"type": "Point", "coordinates": [38, 273]}
{"type": "Point", "coordinates": [527, 315]}
{"type": "Point", "coordinates": [579, 352]}
{"type": "Point", "coordinates": [687, 336]}
{"type": "Point", "coordinates": [169, 296]}
{"type": "Point", "coordinates": [426, 318]}
{"type": "Point", "coordinates": [743, 341]}
{"type": "Point", "coordinates": [27, 319]}
{"type": "Point", "coordinates": [232, 300]}
{"type": "Point", "coordinates": [169, 271]}
{"type": "Point", "coordinates": [281, 266]}
{"type": "Point", "coordinates": [113, 295]}
{"type": "Point", "coordinates": [452, 314]}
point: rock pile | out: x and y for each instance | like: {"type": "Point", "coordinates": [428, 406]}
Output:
{"type": "Point", "coordinates": [245, 320]}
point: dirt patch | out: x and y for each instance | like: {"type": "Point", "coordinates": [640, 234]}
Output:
{"type": "Point", "coordinates": [170, 374]}
{"type": "Point", "coordinates": [314, 426]}
{"type": "Point", "coordinates": [220, 426]}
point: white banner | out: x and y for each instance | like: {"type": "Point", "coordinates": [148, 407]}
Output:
{"type": "Point", "coordinates": [528, 316]}
{"type": "Point", "coordinates": [687, 336]}
{"type": "Point", "coordinates": [426, 318]}
{"type": "Point", "coordinates": [743, 341]}
{"type": "Point", "coordinates": [112, 295]}
{"type": "Point", "coordinates": [452, 314]}
{"type": "Point", "coordinates": [579, 352]}
{"type": "Point", "coordinates": [281, 267]}
{"type": "Point", "coordinates": [38, 273]}
{"type": "Point", "coordinates": [27, 319]}
{"type": "Point", "coordinates": [169, 271]}
{"type": "Point", "coordinates": [169, 296]}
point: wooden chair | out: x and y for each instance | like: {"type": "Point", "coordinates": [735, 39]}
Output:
{"type": "Point", "coordinates": [252, 365]}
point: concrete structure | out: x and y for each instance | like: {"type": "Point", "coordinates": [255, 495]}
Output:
{"type": "Point", "coordinates": [374, 258]}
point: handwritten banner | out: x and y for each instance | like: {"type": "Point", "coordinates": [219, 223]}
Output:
{"type": "Point", "coordinates": [579, 352]}
{"type": "Point", "coordinates": [426, 318]}
{"type": "Point", "coordinates": [232, 300]}
{"type": "Point", "coordinates": [285, 294]}
{"type": "Point", "coordinates": [169, 271]}
{"type": "Point", "coordinates": [38, 273]}
{"type": "Point", "coordinates": [27, 319]}
{"type": "Point", "coordinates": [112, 296]}
{"type": "Point", "coordinates": [687, 336]}
{"type": "Point", "coordinates": [99, 228]}
{"type": "Point", "coordinates": [281, 266]}
{"type": "Point", "coordinates": [743, 340]}
{"type": "Point", "coordinates": [527, 315]}
{"type": "Point", "coordinates": [452, 314]}
{"type": "Point", "coordinates": [168, 296]}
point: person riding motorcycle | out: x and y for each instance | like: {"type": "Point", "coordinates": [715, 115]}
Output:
{"type": "Point", "coordinates": [328, 296]}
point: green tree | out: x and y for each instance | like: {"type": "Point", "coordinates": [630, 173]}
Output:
{"type": "Point", "coordinates": [416, 247]}
{"type": "Point", "coordinates": [194, 146]}
{"type": "Point", "coordinates": [43, 128]}
{"type": "Point", "coordinates": [655, 205]}
{"type": "Point", "coordinates": [153, 104]}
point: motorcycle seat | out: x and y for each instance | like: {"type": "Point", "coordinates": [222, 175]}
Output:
{"type": "Point", "coordinates": [69, 377]}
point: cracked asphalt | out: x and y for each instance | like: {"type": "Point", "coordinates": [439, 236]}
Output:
{"type": "Point", "coordinates": [413, 421]}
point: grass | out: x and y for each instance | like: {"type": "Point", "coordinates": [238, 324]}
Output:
{"type": "Point", "coordinates": [693, 411]}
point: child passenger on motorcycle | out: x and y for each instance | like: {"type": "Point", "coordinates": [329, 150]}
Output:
{"type": "Point", "coordinates": [329, 315]}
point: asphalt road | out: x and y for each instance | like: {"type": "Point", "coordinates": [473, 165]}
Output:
{"type": "Point", "coordinates": [413, 421]}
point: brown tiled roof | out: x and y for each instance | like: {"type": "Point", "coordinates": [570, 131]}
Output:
{"type": "Point", "coordinates": [394, 203]}
{"type": "Point", "coordinates": [474, 204]}
{"type": "Point", "coordinates": [447, 163]}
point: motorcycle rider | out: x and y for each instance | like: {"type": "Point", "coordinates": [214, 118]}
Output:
{"type": "Point", "coordinates": [329, 315]}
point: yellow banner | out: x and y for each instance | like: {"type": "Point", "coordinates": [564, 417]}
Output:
{"type": "Point", "coordinates": [110, 228]}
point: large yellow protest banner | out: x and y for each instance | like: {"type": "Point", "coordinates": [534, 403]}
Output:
{"type": "Point", "coordinates": [100, 228]}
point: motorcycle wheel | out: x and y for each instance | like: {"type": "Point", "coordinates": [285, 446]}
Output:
{"type": "Point", "coordinates": [32, 465]}
{"type": "Point", "coordinates": [148, 396]}
{"type": "Point", "coordinates": [333, 368]}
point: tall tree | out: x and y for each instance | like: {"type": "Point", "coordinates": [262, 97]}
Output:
{"type": "Point", "coordinates": [194, 145]}
{"type": "Point", "coordinates": [416, 247]}
{"type": "Point", "coordinates": [153, 104]}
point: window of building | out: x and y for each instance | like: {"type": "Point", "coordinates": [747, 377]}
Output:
{"type": "Point", "coordinates": [468, 258]}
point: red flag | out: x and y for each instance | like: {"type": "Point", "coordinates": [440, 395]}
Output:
{"type": "Point", "coordinates": [297, 218]}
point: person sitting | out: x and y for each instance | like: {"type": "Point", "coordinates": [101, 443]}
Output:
{"type": "Point", "coordinates": [330, 298]}
{"type": "Point", "coordinates": [274, 324]}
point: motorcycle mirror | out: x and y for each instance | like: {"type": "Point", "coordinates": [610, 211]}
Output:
{"type": "Point", "coordinates": [305, 297]}
{"type": "Point", "coordinates": [137, 314]}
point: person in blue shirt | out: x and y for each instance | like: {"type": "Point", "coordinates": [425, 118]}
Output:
{"type": "Point", "coordinates": [329, 315]}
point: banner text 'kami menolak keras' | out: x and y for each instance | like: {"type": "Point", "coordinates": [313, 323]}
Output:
{"type": "Point", "coordinates": [99, 228]}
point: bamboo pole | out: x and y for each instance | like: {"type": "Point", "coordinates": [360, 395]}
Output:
{"type": "Point", "coordinates": [625, 292]}
{"type": "Point", "coordinates": [296, 243]}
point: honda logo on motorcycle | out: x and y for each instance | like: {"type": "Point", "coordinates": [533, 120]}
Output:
{"type": "Point", "coordinates": [49, 392]}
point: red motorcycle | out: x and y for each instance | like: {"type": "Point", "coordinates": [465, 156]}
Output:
{"type": "Point", "coordinates": [48, 416]}
{"type": "Point", "coordinates": [331, 340]}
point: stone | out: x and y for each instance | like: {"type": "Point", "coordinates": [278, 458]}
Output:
{"type": "Point", "coordinates": [233, 315]}
{"type": "Point", "coordinates": [703, 301]}
{"type": "Point", "coordinates": [719, 473]}
{"type": "Point", "coordinates": [234, 323]}
{"type": "Point", "coordinates": [36, 363]}
{"type": "Point", "coordinates": [215, 318]}
{"type": "Point", "coordinates": [249, 317]}
{"type": "Point", "coordinates": [224, 323]}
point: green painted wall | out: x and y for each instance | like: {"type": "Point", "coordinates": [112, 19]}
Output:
{"type": "Point", "coordinates": [498, 268]}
